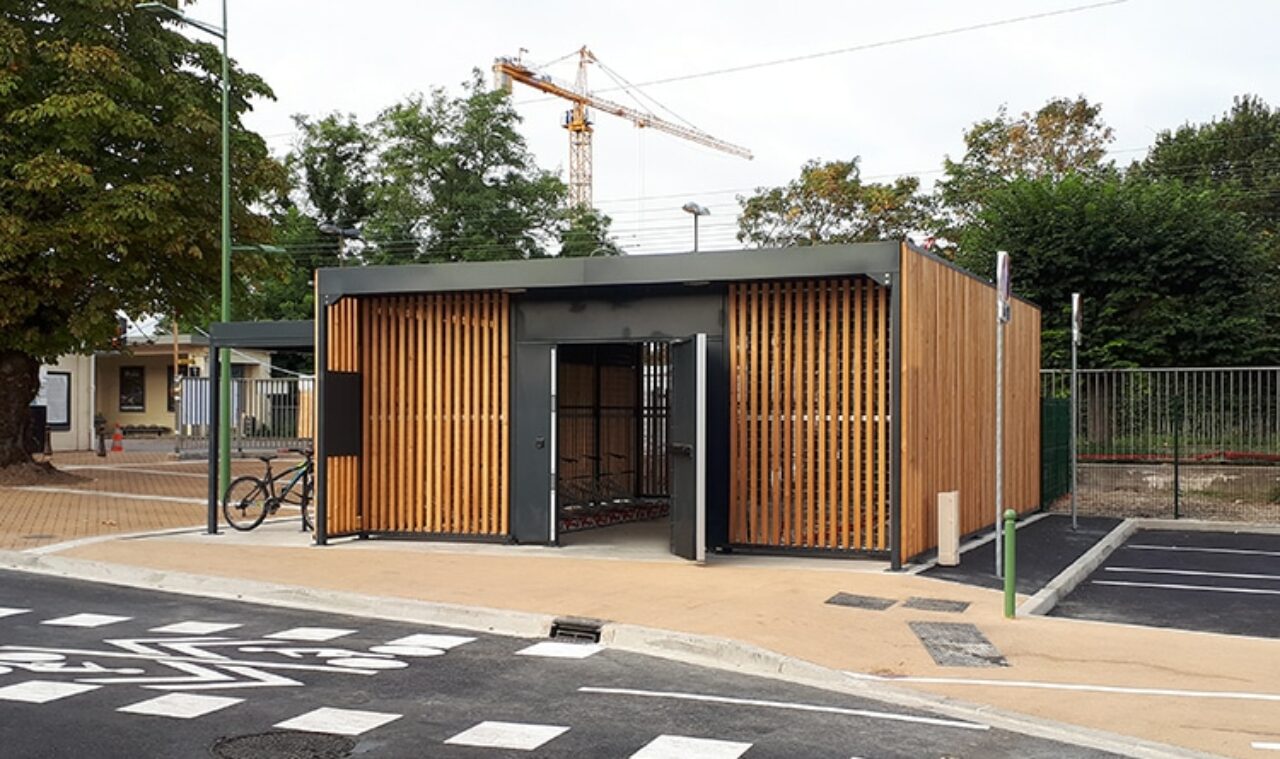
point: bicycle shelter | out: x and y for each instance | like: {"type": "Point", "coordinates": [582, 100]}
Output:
{"type": "Point", "coordinates": [808, 400]}
{"type": "Point", "coordinates": [271, 336]}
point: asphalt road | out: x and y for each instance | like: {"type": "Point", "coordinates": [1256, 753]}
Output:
{"type": "Point", "coordinates": [95, 670]}
{"type": "Point", "coordinates": [1224, 582]}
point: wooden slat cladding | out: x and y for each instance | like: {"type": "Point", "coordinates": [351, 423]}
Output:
{"type": "Point", "coordinates": [809, 374]}
{"type": "Point", "coordinates": [948, 400]}
{"type": "Point", "coordinates": [436, 416]}
{"type": "Point", "coordinates": [343, 475]}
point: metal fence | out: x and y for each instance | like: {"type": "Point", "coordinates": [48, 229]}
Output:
{"type": "Point", "coordinates": [1196, 443]}
{"type": "Point", "coordinates": [265, 413]}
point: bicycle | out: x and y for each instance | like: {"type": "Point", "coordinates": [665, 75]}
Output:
{"type": "Point", "coordinates": [250, 499]}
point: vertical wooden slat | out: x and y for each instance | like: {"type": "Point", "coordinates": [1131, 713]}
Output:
{"type": "Point", "coordinates": [819, 314]}
{"type": "Point", "coordinates": [785, 413]}
{"type": "Point", "coordinates": [775, 421]}
{"type": "Point", "coordinates": [437, 412]}
{"type": "Point", "coordinates": [737, 350]}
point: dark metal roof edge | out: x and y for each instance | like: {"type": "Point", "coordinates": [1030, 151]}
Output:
{"type": "Point", "coordinates": [620, 271]}
{"type": "Point", "coordinates": [957, 267]}
{"type": "Point", "coordinates": [279, 335]}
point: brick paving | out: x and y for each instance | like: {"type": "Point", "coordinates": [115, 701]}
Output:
{"type": "Point", "coordinates": [93, 506]}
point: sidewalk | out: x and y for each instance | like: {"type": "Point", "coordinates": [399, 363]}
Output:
{"type": "Point", "coordinates": [1070, 671]}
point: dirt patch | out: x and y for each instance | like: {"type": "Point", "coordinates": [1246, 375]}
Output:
{"type": "Point", "coordinates": [37, 473]}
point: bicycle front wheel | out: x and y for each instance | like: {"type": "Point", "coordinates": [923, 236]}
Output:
{"type": "Point", "coordinates": [246, 503]}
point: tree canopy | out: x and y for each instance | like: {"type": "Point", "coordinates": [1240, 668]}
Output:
{"type": "Point", "coordinates": [109, 181]}
{"type": "Point", "coordinates": [830, 203]}
{"type": "Point", "coordinates": [1168, 275]}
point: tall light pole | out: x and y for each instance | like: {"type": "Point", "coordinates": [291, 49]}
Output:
{"type": "Point", "coordinates": [224, 386]}
{"type": "Point", "coordinates": [343, 234]}
{"type": "Point", "coordinates": [695, 210]}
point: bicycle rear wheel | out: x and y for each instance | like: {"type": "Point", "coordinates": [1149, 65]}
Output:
{"type": "Point", "coordinates": [246, 503]}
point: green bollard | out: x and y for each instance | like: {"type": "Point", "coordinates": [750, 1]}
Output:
{"type": "Point", "coordinates": [1010, 583]}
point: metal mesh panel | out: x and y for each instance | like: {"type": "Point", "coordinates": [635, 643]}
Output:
{"type": "Point", "coordinates": [1199, 443]}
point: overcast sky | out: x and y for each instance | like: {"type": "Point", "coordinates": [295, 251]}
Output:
{"type": "Point", "coordinates": [1152, 64]}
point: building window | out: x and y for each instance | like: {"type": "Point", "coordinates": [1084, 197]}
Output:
{"type": "Point", "coordinates": [55, 396]}
{"type": "Point", "coordinates": [133, 388]}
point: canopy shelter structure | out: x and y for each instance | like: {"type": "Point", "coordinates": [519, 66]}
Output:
{"type": "Point", "coordinates": [799, 401]}
{"type": "Point", "coordinates": [296, 336]}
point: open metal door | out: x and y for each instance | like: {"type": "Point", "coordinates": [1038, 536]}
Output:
{"type": "Point", "coordinates": [688, 448]}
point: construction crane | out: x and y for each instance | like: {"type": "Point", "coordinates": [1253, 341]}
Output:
{"type": "Point", "coordinates": [578, 119]}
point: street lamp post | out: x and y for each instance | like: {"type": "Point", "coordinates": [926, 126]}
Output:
{"type": "Point", "coordinates": [343, 234]}
{"type": "Point", "coordinates": [695, 210]}
{"type": "Point", "coordinates": [224, 386]}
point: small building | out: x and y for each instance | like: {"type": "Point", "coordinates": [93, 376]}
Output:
{"type": "Point", "coordinates": [133, 387]}
{"type": "Point", "coordinates": [807, 400]}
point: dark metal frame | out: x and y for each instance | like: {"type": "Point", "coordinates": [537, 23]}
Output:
{"type": "Point", "coordinates": [283, 336]}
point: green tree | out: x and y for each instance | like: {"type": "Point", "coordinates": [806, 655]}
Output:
{"type": "Point", "coordinates": [333, 163]}
{"type": "Point", "coordinates": [458, 183]}
{"type": "Point", "coordinates": [109, 182]}
{"type": "Point", "coordinates": [1063, 137]}
{"type": "Point", "coordinates": [585, 232]}
{"type": "Point", "coordinates": [1238, 154]}
{"type": "Point", "coordinates": [830, 203]}
{"type": "Point", "coordinates": [1169, 276]}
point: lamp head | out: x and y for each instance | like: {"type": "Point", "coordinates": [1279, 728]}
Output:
{"type": "Point", "coordinates": [695, 209]}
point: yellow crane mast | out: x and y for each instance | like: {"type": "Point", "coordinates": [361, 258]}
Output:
{"type": "Point", "coordinates": [578, 119]}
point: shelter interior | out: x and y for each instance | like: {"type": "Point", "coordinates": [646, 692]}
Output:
{"type": "Point", "coordinates": [612, 415]}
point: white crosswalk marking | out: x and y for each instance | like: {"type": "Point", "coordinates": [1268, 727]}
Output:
{"type": "Point", "coordinates": [5, 611]}
{"type": "Point", "coordinates": [86, 620]}
{"type": "Point", "coordinates": [195, 628]}
{"type": "Point", "coordinates": [428, 640]}
{"type": "Point", "coordinates": [180, 705]}
{"type": "Point", "coordinates": [517, 736]}
{"type": "Point", "coordinates": [681, 747]}
{"type": "Point", "coordinates": [314, 634]}
{"type": "Point", "coordinates": [42, 691]}
{"type": "Point", "coordinates": [338, 721]}
{"type": "Point", "coordinates": [557, 650]}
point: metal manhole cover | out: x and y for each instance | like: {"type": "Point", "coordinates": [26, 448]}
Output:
{"type": "Point", "coordinates": [287, 744]}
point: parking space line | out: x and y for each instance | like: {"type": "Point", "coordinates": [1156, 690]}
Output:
{"type": "Point", "coordinates": [935, 721]}
{"type": "Point", "coordinates": [1205, 549]}
{"type": "Point", "coordinates": [1176, 586]}
{"type": "Point", "coordinates": [1266, 746]}
{"type": "Point", "coordinates": [1194, 573]}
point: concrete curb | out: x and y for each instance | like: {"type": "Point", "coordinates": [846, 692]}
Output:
{"type": "Point", "coordinates": [700, 650]}
{"type": "Point", "coordinates": [1067, 580]}
{"type": "Point", "coordinates": [1203, 525]}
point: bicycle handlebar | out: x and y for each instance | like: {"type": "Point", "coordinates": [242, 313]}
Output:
{"type": "Point", "coordinates": [300, 451]}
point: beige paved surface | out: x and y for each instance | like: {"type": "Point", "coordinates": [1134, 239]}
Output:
{"type": "Point", "coordinates": [768, 603]}
{"type": "Point", "coordinates": [93, 506]}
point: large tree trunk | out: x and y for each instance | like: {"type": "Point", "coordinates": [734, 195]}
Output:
{"type": "Point", "coordinates": [19, 383]}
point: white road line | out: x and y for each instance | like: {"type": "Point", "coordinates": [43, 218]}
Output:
{"type": "Point", "coordinates": [684, 747]}
{"type": "Point", "coordinates": [339, 721]}
{"type": "Point", "coordinates": [517, 736]}
{"type": "Point", "coordinates": [180, 705]}
{"type": "Point", "coordinates": [42, 691]}
{"type": "Point", "coordinates": [195, 628]}
{"type": "Point", "coordinates": [935, 721]}
{"type": "Point", "coordinates": [1193, 573]}
{"type": "Point", "coordinates": [1266, 746]}
{"type": "Point", "coordinates": [1084, 687]}
{"type": "Point", "coordinates": [1176, 586]}
{"type": "Point", "coordinates": [315, 634]}
{"type": "Point", "coordinates": [6, 611]}
{"type": "Point", "coordinates": [1206, 549]}
{"type": "Point", "coordinates": [557, 650]}
{"type": "Point", "coordinates": [99, 468]}
{"type": "Point", "coordinates": [109, 494]}
{"type": "Point", "coordinates": [85, 620]}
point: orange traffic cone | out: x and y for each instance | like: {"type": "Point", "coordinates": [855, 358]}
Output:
{"type": "Point", "coordinates": [117, 441]}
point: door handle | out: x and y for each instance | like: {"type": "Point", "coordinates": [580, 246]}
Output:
{"type": "Point", "coordinates": [683, 449]}
{"type": "Point", "coordinates": [539, 442]}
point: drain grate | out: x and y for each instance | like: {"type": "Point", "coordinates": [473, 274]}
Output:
{"type": "Point", "coordinates": [956, 644]}
{"type": "Point", "coordinates": [937, 604]}
{"type": "Point", "coordinates": [284, 744]}
{"type": "Point", "coordinates": [856, 601]}
{"type": "Point", "coordinates": [576, 630]}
